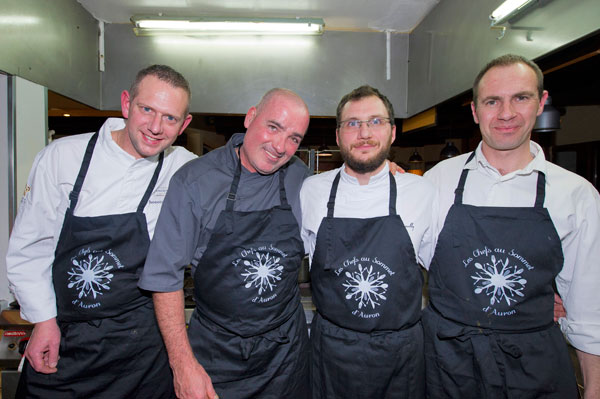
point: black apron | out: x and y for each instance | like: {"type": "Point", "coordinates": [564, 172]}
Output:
{"type": "Point", "coordinates": [489, 330]}
{"type": "Point", "coordinates": [111, 346]}
{"type": "Point", "coordinates": [366, 339]}
{"type": "Point", "coordinates": [249, 330]}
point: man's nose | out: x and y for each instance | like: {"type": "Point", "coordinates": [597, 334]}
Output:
{"type": "Point", "coordinates": [507, 111]}
{"type": "Point", "coordinates": [156, 124]}
{"type": "Point", "coordinates": [278, 143]}
{"type": "Point", "coordinates": [364, 131]}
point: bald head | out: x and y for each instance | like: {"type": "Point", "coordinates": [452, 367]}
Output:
{"type": "Point", "coordinates": [281, 94]}
{"type": "Point", "coordinates": [274, 129]}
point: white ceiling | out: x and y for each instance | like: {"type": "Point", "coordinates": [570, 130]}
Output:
{"type": "Point", "coordinates": [353, 15]}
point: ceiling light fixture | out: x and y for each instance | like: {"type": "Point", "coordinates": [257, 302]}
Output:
{"type": "Point", "coordinates": [146, 25]}
{"type": "Point", "coordinates": [509, 9]}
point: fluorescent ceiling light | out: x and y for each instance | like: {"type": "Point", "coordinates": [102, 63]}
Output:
{"type": "Point", "coordinates": [154, 25]}
{"type": "Point", "coordinates": [509, 9]}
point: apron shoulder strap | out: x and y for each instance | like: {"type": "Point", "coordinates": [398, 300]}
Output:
{"type": "Point", "coordinates": [231, 196]}
{"type": "Point", "coordinates": [393, 194]}
{"type": "Point", "coordinates": [282, 194]}
{"type": "Point", "coordinates": [336, 182]}
{"type": "Point", "coordinates": [85, 164]}
{"type": "Point", "coordinates": [541, 190]}
{"type": "Point", "coordinates": [332, 194]}
{"type": "Point", "coordinates": [152, 184]}
{"type": "Point", "coordinates": [234, 184]}
{"type": "Point", "coordinates": [458, 193]}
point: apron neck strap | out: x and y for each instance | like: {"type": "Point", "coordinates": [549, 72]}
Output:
{"type": "Point", "coordinates": [231, 196]}
{"type": "Point", "coordinates": [458, 193]}
{"type": "Point", "coordinates": [282, 195]}
{"type": "Point", "coordinates": [336, 182]}
{"type": "Point", "coordinates": [85, 164]}
{"type": "Point", "coordinates": [540, 189]}
{"type": "Point", "coordinates": [393, 194]}
{"type": "Point", "coordinates": [332, 194]}
{"type": "Point", "coordinates": [152, 184]}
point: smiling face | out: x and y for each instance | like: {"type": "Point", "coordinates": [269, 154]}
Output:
{"type": "Point", "coordinates": [155, 117]}
{"type": "Point", "coordinates": [274, 130]}
{"type": "Point", "coordinates": [507, 107]}
{"type": "Point", "coordinates": [365, 148]}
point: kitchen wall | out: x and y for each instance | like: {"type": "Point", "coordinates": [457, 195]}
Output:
{"type": "Point", "coordinates": [55, 44]}
{"type": "Point", "coordinates": [52, 43]}
{"type": "Point", "coordinates": [228, 74]}
{"type": "Point", "coordinates": [455, 41]}
{"type": "Point", "coordinates": [6, 198]}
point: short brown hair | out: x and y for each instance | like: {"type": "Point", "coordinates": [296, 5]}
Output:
{"type": "Point", "coordinates": [362, 92]}
{"type": "Point", "coordinates": [507, 60]}
{"type": "Point", "coordinates": [166, 74]}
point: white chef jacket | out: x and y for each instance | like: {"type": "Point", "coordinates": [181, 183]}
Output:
{"type": "Point", "coordinates": [114, 184]}
{"type": "Point", "coordinates": [574, 207]}
{"type": "Point", "coordinates": [415, 203]}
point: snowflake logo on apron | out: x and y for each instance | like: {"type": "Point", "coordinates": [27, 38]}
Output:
{"type": "Point", "coordinates": [90, 275]}
{"type": "Point", "coordinates": [262, 272]}
{"type": "Point", "coordinates": [366, 287]}
{"type": "Point", "coordinates": [499, 281]}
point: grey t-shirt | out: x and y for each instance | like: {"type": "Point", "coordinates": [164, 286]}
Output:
{"type": "Point", "coordinates": [196, 196]}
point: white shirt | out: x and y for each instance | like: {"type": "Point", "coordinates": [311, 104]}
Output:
{"type": "Point", "coordinates": [114, 184]}
{"type": "Point", "coordinates": [415, 201]}
{"type": "Point", "coordinates": [574, 207]}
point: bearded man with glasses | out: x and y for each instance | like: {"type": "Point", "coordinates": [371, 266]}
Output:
{"type": "Point", "coordinates": [366, 231]}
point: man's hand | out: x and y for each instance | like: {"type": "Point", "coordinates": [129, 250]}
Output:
{"type": "Point", "coordinates": [559, 309]}
{"type": "Point", "coordinates": [192, 382]}
{"type": "Point", "coordinates": [395, 168]}
{"type": "Point", "coordinates": [42, 349]}
{"type": "Point", "coordinates": [189, 378]}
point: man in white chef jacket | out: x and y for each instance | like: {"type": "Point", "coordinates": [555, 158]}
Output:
{"type": "Point", "coordinates": [79, 242]}
{"type": "Point", "coordinates": [367, 231]}
{"type": "Point", "coordinates": [511, 225]}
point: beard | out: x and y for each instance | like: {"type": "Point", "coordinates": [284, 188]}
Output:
{"type": "Point", "coordinates": [365, 166]}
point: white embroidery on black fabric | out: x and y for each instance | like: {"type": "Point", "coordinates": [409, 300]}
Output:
{"type": "Point", "coordinates": [499, 280]}
{"type": "Point", "coordinates": [91, 274]}
{"type": "Point", "coordinates": [262, 272]}
{"type": "Point", "coordinates": [366, 287]}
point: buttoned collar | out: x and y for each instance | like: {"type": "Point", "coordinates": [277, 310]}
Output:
{"type": "Point", "coordinates": [538, 163]}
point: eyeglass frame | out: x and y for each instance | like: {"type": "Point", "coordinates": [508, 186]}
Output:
{"type": "Point", "coordinates": [368, 122]}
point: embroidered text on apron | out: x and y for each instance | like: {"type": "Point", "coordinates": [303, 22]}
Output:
{"type": "Point", "coordinates": [248, 330]}
{"type": "Point", "coordinates": [489, 329]}
{"type": "Point", "coordinates": [366, 339]}
{"type": "Point", "coordinates": [110, 343]}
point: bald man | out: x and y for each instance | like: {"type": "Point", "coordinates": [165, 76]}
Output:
{"type": "Point", "coordinates": [234, 214]}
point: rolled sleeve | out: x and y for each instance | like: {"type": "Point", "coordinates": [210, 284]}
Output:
{"type": "Point", "coordinates": [580, 278]}
{"type": "Point", "coordinates": [174, 241]}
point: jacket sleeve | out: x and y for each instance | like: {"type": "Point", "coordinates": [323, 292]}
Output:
{"type": "Point", "coordinates": [32, 243]}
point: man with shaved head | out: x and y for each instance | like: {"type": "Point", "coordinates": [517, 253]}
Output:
{"type": "Point", "coordinates": [234, 215]}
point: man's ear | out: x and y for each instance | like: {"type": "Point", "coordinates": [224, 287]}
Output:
{"type": "Point", "coordinates": [185, 124]}
{"type": "Point", "coordinates": [125, 103]}
{"type": "Point", "coordinates": [542, 102]}
{"type": "Point", "coordinates": [474, 112]}
{"type": "Point", "coordinates": [250, 115]}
